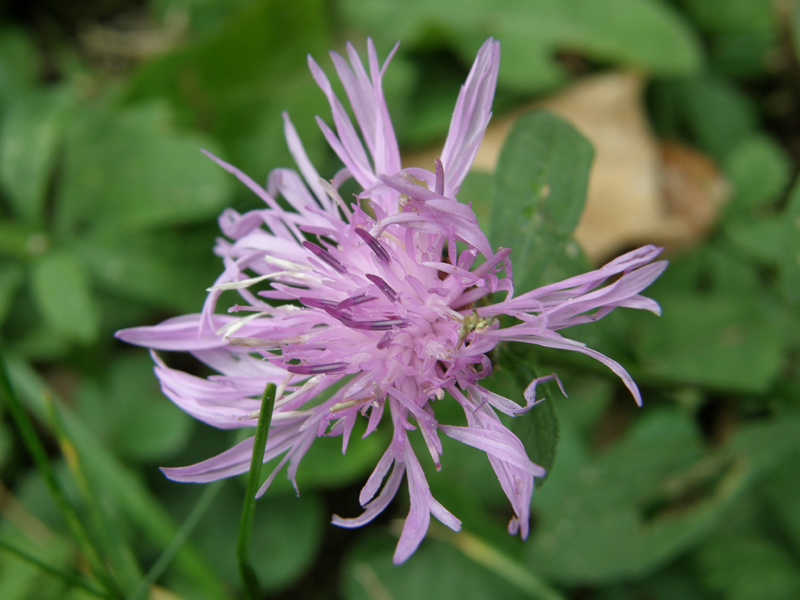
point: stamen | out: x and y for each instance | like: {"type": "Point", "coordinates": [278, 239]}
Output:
{"type": "Point", "coordinates": [377, 325]}
{"type": "Point", "coordinates": [384, 287]}
{"type": "Point", "coordinates": [355, 300]}
{"type": "Point", "coordinates": [385, 325]}
{"type": "Point", "coordinates": [439, 176]}
{"type": "Point", "coordinates": [317, 369]}
{"type": "Point", "coordinates": [318, 303]}
{"type": "Point", "coordinates": [325, 256]}
{"type": "Point", "coordinates": [384, 341]}
{"type": "Point", "coordinates": [373, 244]}
{"type": "Point", "coordinates": [266, 344]}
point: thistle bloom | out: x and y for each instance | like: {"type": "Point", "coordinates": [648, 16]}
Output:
{"type": "Point", "coordinates": [371, 309]}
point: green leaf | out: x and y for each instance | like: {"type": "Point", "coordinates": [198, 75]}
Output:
{"type": "Point", "coordinates": [30, 136]}
{"type": "Point", "coordinates": [742, 36]}
{"type": "Point", "coordinates": [537, 429]}
{"type": "Point", "coordinates": [761, 239]}
{"type": "Point", "coordinates": [133, 169]}
{"type": "Point", "coordinates": [151, 267]}
{"type": "Point", "coordinates": [63, 294]}
{"type": "Point", "coordinates": [435, 570]}
{"type": "Point", "coordinates": [540, 190]}
{"type": "Point", "coordinates": [288, 531]}
{"type": "Point", "coordinates": [633, 508]}
{"type": "Point", "coordinates": [720, 341]}
{"type": "Point", "coordinates": [782, 488]}
{"type": "Point", "coordinates": [715, 114]}
{"type": "Point", "coordinates": [11, 277]}
{"type": "Point", "coordinates": [644, 34]}
{"type": "Point", "coordinates": [118, 484]}
{"type": "Point", "coordinates": [19, 63]}
{"type": "Point", "coordinates": [790, 257]}
{"type": "Point", "coordinates": [132, 414]}
{"type": "Point", "coordinates": [749, 568]}
{"type": "Point", "coordinates": [235, 83]}
{"type": "Point", "coordinates": [759, 170]}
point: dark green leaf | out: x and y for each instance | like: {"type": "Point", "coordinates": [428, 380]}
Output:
{"type": "Point", "coordinates": [19, 63]}
{"type": "Point", "coordinates": [633, 508]}
{"type": "Point", "coordinates": [236, 82]}
{"type": "Point", "coordinates": [63, 294]}
{"type": "Point", "coordinates": [11, 278]}
{"type": "Point", "coordinates": [790, 258]}
{"type": "Point", "coordinates": [759, 170]}
{"type": "Point", "coordinates": [152, 267]}
{"type": "Point", "coordinates": [720, 341]}
{"type": "Point", "coordinates": [637, 33]}
{"type": "Point", "coordinates": [435, 570]}
{"type": "Point", "coordinates": [287, 533]}
{"type": "Point", "coordinates": [782, 489]}
{"type": "Point", "coordinates": [132, 169]}
{"type": "Point", "coordinates": [715, 114]}
{"type": "Point", "coordinates": [31, 133]}
{"type": "Point", "coordinates": [538, 428]}
{"type": "Point", "coordinates": [540, 190]}
{"type": "Point", "coordinates": [749, 568]}
{"type": "Point", "coordinates": [131, 412]}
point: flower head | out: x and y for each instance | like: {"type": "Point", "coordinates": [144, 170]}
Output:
{"type": "Point", "coordinates": [374, 306]}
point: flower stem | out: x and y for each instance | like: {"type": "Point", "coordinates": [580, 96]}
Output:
{"type": "Point", "coordinates": [248, 575]}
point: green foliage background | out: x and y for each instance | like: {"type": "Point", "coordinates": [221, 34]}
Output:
{"type": "Point", "coordinates": [107, 220]}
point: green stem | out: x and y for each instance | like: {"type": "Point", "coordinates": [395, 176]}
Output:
{"type": "Point", "coordinates": [248, 575]}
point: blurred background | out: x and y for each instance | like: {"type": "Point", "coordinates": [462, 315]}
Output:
{"type": "Point", "coordinates": [108, 217]}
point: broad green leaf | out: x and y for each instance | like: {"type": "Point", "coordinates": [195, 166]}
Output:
{"type": "Point", "coordinates": [782, 488]}
{"type": "Point", "coordinates": [644, 34]}
{"type": "Point", "coordinates": [759, 170]}
{"type": "Point", "coordinates": [539, 193]}
{"type": "Point", "coordinates": [762, 239]}
{"type": "Point", "coordinates": [715, 114]}
{"type": "Point", "coordinates": [748, 568]}
{"type": "Point", "coordinates": [718, 341]}
{"type": "Point", "coordinates": [31, 132]}
{"type": "Point", "coordinates": [63, 293]}
{"type": "Point", "coordinates": [435, 570]}
{"type": "Point", "coordinates": [131, 412]}
{"type": "Point", "coordinates": [152, 267]}
{"type": "Point", "coordinates": [477, 190]}
{"type": "Point", "coordinates": [743, 36]}
{"type": "Point", "coordinates": [628, 511]}
{"type": "Point", "coordinates": [132, 168]}
{"type": "Point", "coordinates": [538, 428]}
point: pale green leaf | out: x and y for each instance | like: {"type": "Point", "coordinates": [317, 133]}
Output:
{"type": "Point", "coordinates": [63, 293]}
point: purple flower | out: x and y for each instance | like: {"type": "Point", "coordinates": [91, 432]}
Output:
{"type": "Point", "coordinates": [371, 309]}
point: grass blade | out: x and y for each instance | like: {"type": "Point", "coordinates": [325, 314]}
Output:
{"type": "Point", "coordinates": [249, 579]}
{"type": "Point", "coordinates": [42, 462]}
{"type": "Point", "coordinates": [165, 560]}
{"type": "Point", "coordinates": [67, 578]}
{"type": "Point", "coordinates": [119, 484]}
